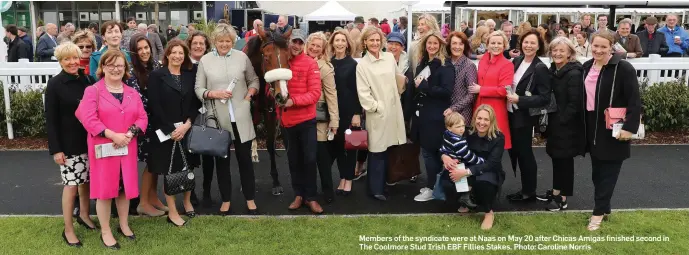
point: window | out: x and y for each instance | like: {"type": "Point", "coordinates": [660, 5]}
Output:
{"type": "Point", "coordinates": [84, 5]}
{"type": "Point", "coordinates": [179, 18]}
{"type": "Point", "coordinates": [162, 16]}
{"type": "Point", "coordinates": [140, 16]}
{"type": "Point", "coordinates": [49, 17]}
{"type": "Point", "coordinates": [107, 16]}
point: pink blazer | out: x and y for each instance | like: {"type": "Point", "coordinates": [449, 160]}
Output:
{"type": "Point", "coordinates": [100, 110]}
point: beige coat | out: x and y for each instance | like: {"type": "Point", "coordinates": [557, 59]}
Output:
{"type": "Point", "coordinates": [355, 36]}
{"type": "Point", "coordinates": [329, 96]}
{"type": "Point", "coordinates": [215, 73]}
{"type": "Point", "coordinates": [379, 95]}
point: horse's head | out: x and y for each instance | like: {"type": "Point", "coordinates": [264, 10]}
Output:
{"type": "Point", "coordinates": [275, 62]}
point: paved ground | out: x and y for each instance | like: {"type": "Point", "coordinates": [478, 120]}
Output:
{"type": "Point", "coordinates": [655, 177]}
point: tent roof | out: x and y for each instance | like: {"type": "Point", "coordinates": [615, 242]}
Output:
{"type": "Point", "coordinates": [331, 11]}
{"type": "Point", "coordinates": [572, 3]}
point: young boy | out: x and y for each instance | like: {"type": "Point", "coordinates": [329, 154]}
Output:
{"type": "Point", "coordinates": [455, 146]}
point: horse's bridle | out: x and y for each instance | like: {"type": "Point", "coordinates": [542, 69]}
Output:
{"type": "Point", "coordinates": [280, 101]}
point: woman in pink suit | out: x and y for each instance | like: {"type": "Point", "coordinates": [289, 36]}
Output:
{"type": "Point", "coordinates": [113, 113]}
{"type": "Point", "coordinates": [495, 73]}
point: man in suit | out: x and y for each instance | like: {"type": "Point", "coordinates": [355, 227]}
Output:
{"type": "Point", "coordinates": [66, 35]}
{"type": "Point", "coordinates": [153, 28]}
{"type": "Point", "coordinates": [23, 34]}
{"type": "Point", "coordinates": [156, 46]}
{"type": "Point", "coordinates": [45, 49]}
{"type": "Point", "coordinates": [652, 41]}
{"type": "Point", "coordinates": [464, 28]}
{"type": "Point", "coordinates": [630, 42]}
{"type": "Point", "coordinates": [513, 51]}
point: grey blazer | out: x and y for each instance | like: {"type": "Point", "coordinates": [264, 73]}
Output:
{"type": "Point", "coordinates": [45, 49]}
{"type": "Point", "coordinates": [215, 73]}
{"type": "Point", "coordinates": [157, 48]}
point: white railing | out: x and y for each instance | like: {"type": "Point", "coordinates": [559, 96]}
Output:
{"type": "Point", "coordinates": [26, 75]}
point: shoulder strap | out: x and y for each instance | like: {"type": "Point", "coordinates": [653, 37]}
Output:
{"type": "Point", "coordinates": [528, 87]}
{"type": "Point", "coordinates": [612, 92]}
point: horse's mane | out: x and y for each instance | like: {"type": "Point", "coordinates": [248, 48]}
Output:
{"type": "Point", "coordinates": [253, 46]}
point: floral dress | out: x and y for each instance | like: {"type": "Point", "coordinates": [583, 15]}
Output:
{"type": "Point", "coordinates": [143, 140]}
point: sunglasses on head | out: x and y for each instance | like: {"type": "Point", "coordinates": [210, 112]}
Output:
{"type": "Point", "coordinates": [85, 46]}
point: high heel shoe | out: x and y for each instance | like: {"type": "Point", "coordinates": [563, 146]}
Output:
{"type": "Point", "coordinates": [252, 211]}
{"type": "Point", "coordinates": [115, 246]}
{"type": "Point", "coordinates": [594, 224]}
{"type": "Point", "coordinates": [143, 212]}
{"type": "Point", "coordinates": [131, 237]}
{"type": "Point", "coordinates": [83, 223]}
{"type": "Point", "coordinates": [77, 244]}
{"type": "Point", "coordinates": [175, 224]}
{"type": "Point", "coordinates": [190, 214]}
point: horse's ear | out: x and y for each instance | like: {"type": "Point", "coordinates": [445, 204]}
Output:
{"type": "Point", "coordinates": [287, 34]}
{"type": "Point", "coordinates": [261, 33]}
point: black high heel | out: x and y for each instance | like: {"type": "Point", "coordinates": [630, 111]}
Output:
{"type": "Point", "coordinates": [131, 237]}
{"type": "Point", "coordinates": [115, 246]}
{"type": "Point", "coordinates": [175, 224]}
{"type": "Point", "coordinates": [190, 214]}
{"type": "Point", "coordinates": [83, 223]}
{"type": "Point", "coordinates": [253, 211]}
{"type": "Point", "coordinates": [78, 244]}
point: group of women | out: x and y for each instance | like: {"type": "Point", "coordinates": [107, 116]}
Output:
{"type": "Point", "coordinates": [126, 97]}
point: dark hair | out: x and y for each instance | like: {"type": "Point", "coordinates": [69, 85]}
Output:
{"type": "Point", "coordinates": [141, 70]}
{"type": "Point", "coordinates": [93, 25]}
{"type": "Point", "coordinates": [131, 19]}
{"type": "Point", "coordinates": [109, 57]}
{"type": "Point", "coordinates": [23, 29]}
{"type": "Point", "coordinates": [603, 15]}
{"type": "Point", "coordinates": [374, 20]}
{"type": "Point", "coordinates": [462, 37]}
{"type": "Point", "coordinates": [168, 50]}
{"type": "Point", "coordinates": [12, 29]}
{"type": "Point", "coordinates": [541, 43]}
{"type": "Point", "coordinates": [110, 24]}
{"type": "Point", "coordinates": [205, 40]}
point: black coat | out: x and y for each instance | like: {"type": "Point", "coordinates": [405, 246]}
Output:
{"type": "Point", "coordinates": [169, 104]}
{"type": "Point", "coordinates": [347, 98]}
{"type": "Point", "coordinates": [602, 145]}
{"type": "Point", "coordinates": [538, 75]}
{"type": "Point", "coordinates": [657, 46]}
{"type": "Point", "coordinates": [491, 151]}
{"type": "Point", "coordinates": [62, 96]}
{"type": "Point", "coordinates": [433, 97]}
{"type": "Point", "coordinates": [17, 49]}
{"type": "Point", "coordinates": [566, 134]}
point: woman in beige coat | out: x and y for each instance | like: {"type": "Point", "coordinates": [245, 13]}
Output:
{"type": "Point", "coordinates": [216, 71]}
{"type": "Point", "coordinates": [379, 94]}
{"type": "Point", "coordinates": [327, 124]}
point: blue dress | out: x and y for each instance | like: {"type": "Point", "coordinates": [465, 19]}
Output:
{"type": "Point", "coordinates": [143, 140]}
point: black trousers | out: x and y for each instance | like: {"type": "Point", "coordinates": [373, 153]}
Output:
{"type": "Point", "coordinates": [208, 165]}
{"type": "Point", "coordinates": [301, 154]}
{"type": "Point", "coordinates": [604, 176]}
{"type": "Point", "coordinates": [484, 195]}
{"type": "Point", "coordinates": [324, 160]}
{"type": "Point", "coordinates": [346, 159]}
{"type": "Point", "coordinates": [522, 150]}
{"type": "Point", "coordinates": [246, 170]}
{"type": "Point", "coordinates": [563, 175]}
{"type": "Point", "coordinates": [377, 168]}
{"type": "Point", "coordinates": [361, 156]}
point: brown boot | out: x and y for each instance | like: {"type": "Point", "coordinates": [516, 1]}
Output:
{"type": "Point", "coordinates": [315, 207]}
{"type": "Point", "coordinates": [296, 204]}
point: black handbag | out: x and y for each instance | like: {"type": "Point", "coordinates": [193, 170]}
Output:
{"type": "Point", "coordinates": [180, 181]}
{"type": "Point", "coordinates": [205, 140]}
{"type": "Point", "coordinates": [322, 113]}
{"type": "Point", "coordinates": [542, 112]}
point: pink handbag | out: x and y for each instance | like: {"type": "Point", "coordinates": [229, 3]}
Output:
{"type": "Point", "coordinates": [614, 115]}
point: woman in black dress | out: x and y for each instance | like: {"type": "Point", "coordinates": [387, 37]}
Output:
{"type": "Point", "coordinates": [173, 106]}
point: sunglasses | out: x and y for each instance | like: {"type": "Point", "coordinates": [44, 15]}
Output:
{"type": "Point", "coordinates": [85, 46]}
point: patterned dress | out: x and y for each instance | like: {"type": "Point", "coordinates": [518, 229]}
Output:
{"type": "Point", "coordinates": [463, 101]}
{"type": "Point", "coordinates": [143, 140]}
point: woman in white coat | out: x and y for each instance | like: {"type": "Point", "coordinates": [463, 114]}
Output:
{"type": "Point", "coordinates": [379, 94]}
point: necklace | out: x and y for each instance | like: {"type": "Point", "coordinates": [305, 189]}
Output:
{"type": "Point", "coordinates": [114, 88]}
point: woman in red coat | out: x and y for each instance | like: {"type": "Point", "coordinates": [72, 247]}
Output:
{"type": "Point", "coordinates": [495, 73]}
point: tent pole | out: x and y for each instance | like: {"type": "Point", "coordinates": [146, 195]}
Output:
{"type": "Point", "coordinates": [410, 29]}
{"type": "Point", "coordinates": [475, 18]}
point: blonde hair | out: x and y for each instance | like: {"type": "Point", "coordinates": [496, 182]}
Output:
{"type": "Point", "coordinates": [454, 118]}
{"type": "Point", "coordinates": [331, 46]}
{"type": "Point", "coordinates": [490, 21]}
{"type": "Point", "coordinates": [223, 30]}
{"type": "Point", "coordinates": [567, 42]}
{"type": "Point", "coordinates": [493, 128]}
{"type": "Point", "coordinates": [85, 34]}
{"type": "Point", "coordinates": [505, 42]}
{"type": "Point", "coordinates": [478, 36]}
{"type": "Point", "coordinates": [523, 28]}
{"type": "Point", "coordinates": [369, 31]}
{"type": "Point", "coordinates": [322, 37]}
{"type": "Point", "coordinates": [431, 22]}
{"type": "Point", "coordinates": [67, 49]}
{"type": "Point", "coordinates": [422, 52]}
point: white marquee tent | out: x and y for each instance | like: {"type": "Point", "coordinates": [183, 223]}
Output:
{"type": "Point", "coordinates": [330, 11]}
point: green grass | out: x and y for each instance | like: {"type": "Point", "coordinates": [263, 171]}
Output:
{"type": "Point", "coordinates": [340, 235]}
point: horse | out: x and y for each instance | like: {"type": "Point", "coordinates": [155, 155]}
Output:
{"type": "Point", "coordinates": [269, 55]}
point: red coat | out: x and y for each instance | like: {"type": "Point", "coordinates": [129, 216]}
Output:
{"type": "Point", "coordinates": [304, 89]}
{"type": "Point", "coordinates": [385, 27]}
{"type": "Point", "coordinates": [494, 74]}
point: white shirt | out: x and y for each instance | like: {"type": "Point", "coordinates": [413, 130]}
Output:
{"type": "Point", "coordinates": [517, 77]}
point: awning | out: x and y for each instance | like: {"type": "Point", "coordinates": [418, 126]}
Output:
{"type": "Point", "coordinates": [330, 11]}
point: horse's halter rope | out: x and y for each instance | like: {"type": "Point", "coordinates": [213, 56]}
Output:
{"type": "Point", "coordinates": [280, 101]}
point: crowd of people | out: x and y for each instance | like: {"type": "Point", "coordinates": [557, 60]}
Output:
{"type": "Point", "coordinates": [131, 93]}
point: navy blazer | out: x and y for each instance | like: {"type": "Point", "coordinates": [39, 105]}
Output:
{"type": "Point", "coordinates": [45, 49]}
{"type": "Point", "coordinates": [433, 97]}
